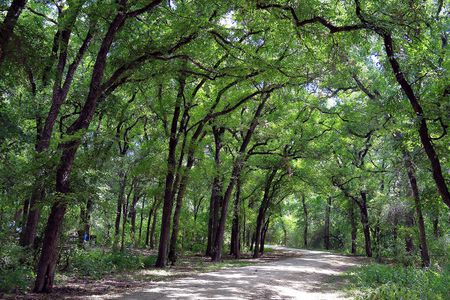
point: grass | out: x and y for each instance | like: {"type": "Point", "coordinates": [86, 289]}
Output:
{"type": "Point", "coordinates": [389, 282]}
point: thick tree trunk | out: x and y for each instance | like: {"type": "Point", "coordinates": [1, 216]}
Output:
{"type": "Point", "coordinates": [177, 213]}
{"type": "Point", "coordinates": [45, 272]}
{"type": "Point", "coordinates": [420, 222]}
{"type": "Point", "coordinates": [423, 128]}
{"type": "Point", "coordinates": [237, 167]}
{"type": "Point", "coordinates": [305, 217]}
{"type": "Point", "coordinates": [263, 236]}
{"type": "Point", "coordinates": [365, 224]}
{"type": "Point", "coordinates": [7, 28]}
{"type": "Point", "coordinates": [326, 233]}
{"type": "Point", "coordinates": [235, 236]}
{"type": "Point", "coordinates": [216, 192]}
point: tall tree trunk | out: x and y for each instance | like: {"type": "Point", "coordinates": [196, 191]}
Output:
{"type": "Point", "coordinates": [141, 222]}
{"type": "Point", "coordinates": [237, 167]}
{"type": "Point", "coordinates": [60, 91]}
{"type": "Point", "coordinates": [235, 236]}
{"type": "Point", "coordinates": [262, 210]}
{"type": "Point", "coordinates": [132, 213]}
{"type": "Point", "coordinates": [420, 222]}
{"type": "Point", "coordinates": [7, 27]}
{"type": "Point", "coordinates": [47, 263]}
{"type": "Point", "coordinates": [161, 261]}
{"type": "Point", "coordinates": [326, 234]}
{"type": "Point", "coordinates": [365, 224]}
{"type": "Point", "coordinates": [305, 217]}
{"type": "Point", "coordinates": [353, 225]}
{"type": "Point", "coordinates": [125, 219]}
{"type": "Point", "coordinates": [153, 230]}
{"type": "Point", "coordinates": [216, 192]}
{"type": "Point", "coordinates": [263, 236]}
{"type": "Point", "coordinates": [120, 203]}
{"type": "Point", "coordinates": [149, 221]}
{"type": "Point", "coordinates": [177, 213]}
{"type": "Point", "coordinates": [423, 128]}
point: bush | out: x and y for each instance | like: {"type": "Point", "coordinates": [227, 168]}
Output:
{"type": "Point", "coordinates": [15, 272]}
{"type": "Point", "coordinates": [96, 263]}
{"type": "Point", "coordinates": [397, 282]}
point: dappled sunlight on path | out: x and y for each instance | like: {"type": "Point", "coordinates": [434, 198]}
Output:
{"type": "Point", "coordinates": [312, 275]}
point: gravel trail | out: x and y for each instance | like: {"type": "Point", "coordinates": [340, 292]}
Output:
{"type": "Point", "coordinates": [311, 275]}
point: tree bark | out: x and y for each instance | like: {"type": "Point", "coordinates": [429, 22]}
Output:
{"type": "Point", "coordinates": [305, 217]}
{"type": "Point", "coordinates": [29, 232]}
{"type": "Point", "coordinates": [326, 234]}
{"type": "Point", "coordinates": [153, 230]}
{"type": "Point", "coordinates": [60, 91]}
{"type": "Point", "coordinates": [141, 222]}
{"type": "Point", "coordinates": [353, 225]}
{"type": "Point", "coordinates": [263, 236]}
{"type": "Point", "coordinates": [235, 247]}
{"type": "Point", "coordinates": [120, 203]}
{"type": "Point", "coordinates": [262, 210]}
{"type": "Point", "coordinates": [161, 261]}
{"type": "Point", "coordinates": [216, 192]}
{"type": "Point", "coordinates": [47, 262]}
{"type": "Point", "coordinates": [365, 224]}
{"type": "Point", "coordinates": [420, 222]}
{"type": "Point", "coordinates": [237, 167]}
{"type": "Point", "coordinates": [423, 128]}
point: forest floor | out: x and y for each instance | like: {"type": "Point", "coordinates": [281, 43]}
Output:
{"type": "Point", "coordinates": [282, 273]}
{"type": "Point", "coordinates": [301, 274]}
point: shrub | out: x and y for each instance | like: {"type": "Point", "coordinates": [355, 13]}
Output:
{"type": "Point", "coordinates": [398, 282]}
{"type": "Point", "coordinates": [16, 272]}
{"type": "Point", "coordinates": [96, 263]}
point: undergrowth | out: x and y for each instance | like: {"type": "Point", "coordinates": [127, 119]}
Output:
{"type": "Point", "coordinates": [387, 282]}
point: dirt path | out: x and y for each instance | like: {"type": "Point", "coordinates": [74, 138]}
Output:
{"type": "Point", "coordinates": [312, 275]}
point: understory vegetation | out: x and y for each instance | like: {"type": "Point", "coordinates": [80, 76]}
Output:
{"type": "Point", "coordinates": [138, 135]}
{"type": "Point", "coordinates": [377, 281]}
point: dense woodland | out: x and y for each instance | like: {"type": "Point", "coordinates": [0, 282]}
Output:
{"type": "Point", "coordinates": [217, 127]}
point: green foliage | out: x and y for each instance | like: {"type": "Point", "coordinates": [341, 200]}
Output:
{"type": "Point", "coordinates": [378, 281]}
{"type": "Point", "coordinates": [15, 272]}
{"type": "Point", "coordinates": [96, 263]}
